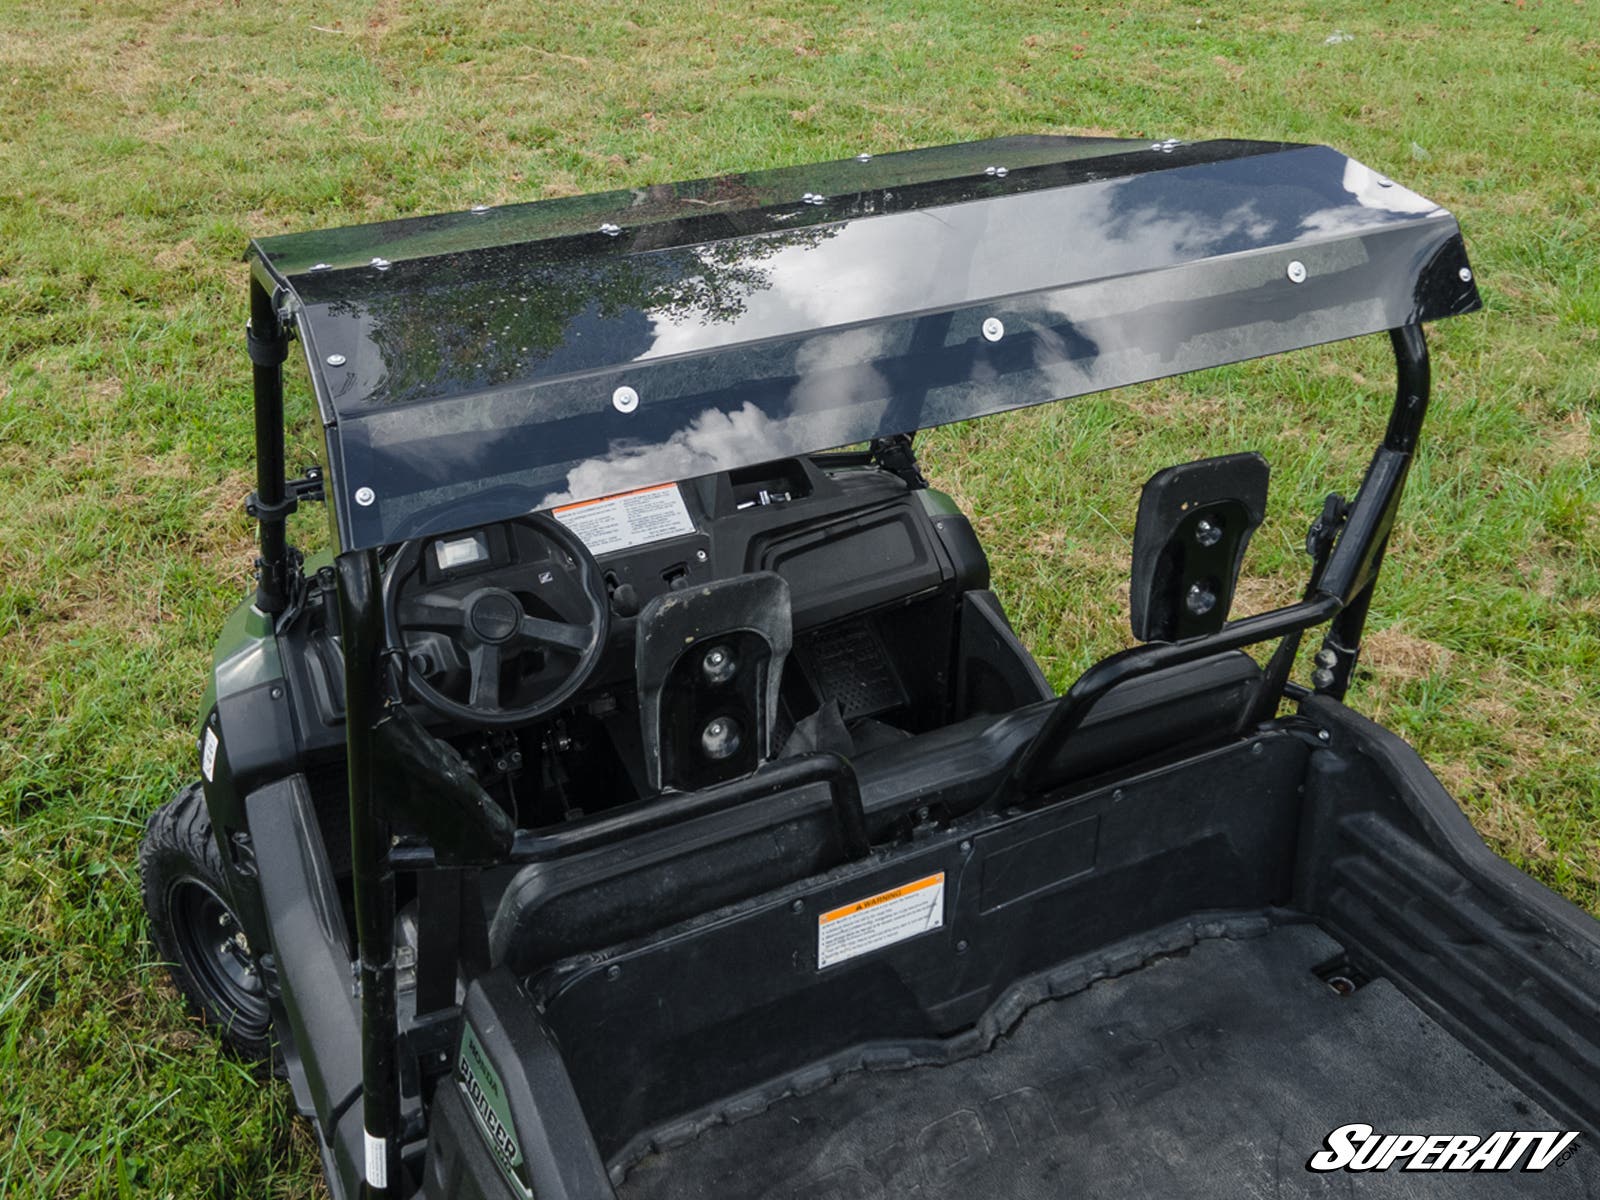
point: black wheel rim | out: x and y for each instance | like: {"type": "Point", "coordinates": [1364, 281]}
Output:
{"type": "Point", "coordinates": [218, 957]}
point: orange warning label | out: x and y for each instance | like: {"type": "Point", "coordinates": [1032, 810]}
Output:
{"type": "Point", "coordinates": [881, 920]}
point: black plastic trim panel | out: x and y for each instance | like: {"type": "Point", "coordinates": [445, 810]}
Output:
{"type": "Point", "coordinates": [1397, 873]}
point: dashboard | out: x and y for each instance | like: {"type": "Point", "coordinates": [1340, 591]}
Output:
{"type": "Point", "coordinates": [874, 571]}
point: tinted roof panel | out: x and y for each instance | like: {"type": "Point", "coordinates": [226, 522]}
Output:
{"type": "Point", "coordinates": [473, 373]}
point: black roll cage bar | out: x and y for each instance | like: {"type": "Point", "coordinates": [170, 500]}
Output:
{"type": "Point", "coordinates": [1339, 593]}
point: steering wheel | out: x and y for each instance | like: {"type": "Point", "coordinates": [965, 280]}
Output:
{"type": "Point", "coordinates": [541, 606]}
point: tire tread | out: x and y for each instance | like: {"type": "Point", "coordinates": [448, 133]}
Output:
{"type": "Point", "coordinates": [178, 838]}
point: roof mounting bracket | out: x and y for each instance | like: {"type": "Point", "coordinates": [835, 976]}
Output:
{"type": "Point", "coordinates": [308, 489]}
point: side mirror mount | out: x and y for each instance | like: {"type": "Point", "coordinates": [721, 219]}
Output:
{"type": "Point", "coordinates": [1194, 523]}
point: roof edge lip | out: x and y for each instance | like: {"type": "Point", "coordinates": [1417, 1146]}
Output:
{"type": "Point", "coordinates": [630, 189]}
{"type": "Point", "coordinates": [603, 236]}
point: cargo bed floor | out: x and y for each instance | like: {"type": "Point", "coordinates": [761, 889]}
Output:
{"type": "Point", "coordinates": [1216, 1073]}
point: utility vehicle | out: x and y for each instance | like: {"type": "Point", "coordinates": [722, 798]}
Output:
{"type": "Point", "coordinates": [649, 798]}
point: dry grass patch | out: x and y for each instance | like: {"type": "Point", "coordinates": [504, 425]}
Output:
{"type": "Point", "coordinates": [1393, 653]}
{"type": "Point", "coordinates": [1572, 441]}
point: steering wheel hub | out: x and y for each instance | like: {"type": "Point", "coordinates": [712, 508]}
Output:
{"type": "Point", "coordinates": [494, 615]}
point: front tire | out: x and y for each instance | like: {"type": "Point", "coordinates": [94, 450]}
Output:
{"type": "Point", "coordinates": [195, 929]}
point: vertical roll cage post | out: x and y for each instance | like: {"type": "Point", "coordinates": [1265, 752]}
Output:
{"type": "Point", "coordinates": [372, 874]}
{"type": "Point", "coordinates": [1353, 575]}
{"type": "Point", "coordinates": [1342, 592]}
{"type": "Point", "coordinates": [267, 339]}
{"type": "Point", "coordinates": [361, 625]}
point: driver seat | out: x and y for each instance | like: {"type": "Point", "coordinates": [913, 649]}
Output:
{"type": "Point", "coordinates": [709, 660]}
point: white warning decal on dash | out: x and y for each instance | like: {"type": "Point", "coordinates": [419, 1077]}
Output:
{"type": "Point", "coordinates": [880, 920]}
{"type": "Point", "coordinates": [621, 522]}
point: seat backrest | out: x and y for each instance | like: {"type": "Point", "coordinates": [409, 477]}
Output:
{"type": "Point", "coordinates": [954, 769]}
{"type": "Point", "coordinates": [602, 897]}
{"type": "Point", "coordinates": [1154, 715]}
{"type": "Point", "coordinates": [709, 659]}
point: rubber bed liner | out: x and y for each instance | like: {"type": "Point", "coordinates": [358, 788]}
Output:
{"type": "Point", "coordinates": [1215, 1072]}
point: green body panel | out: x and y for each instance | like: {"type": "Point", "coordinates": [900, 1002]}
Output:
{"type": "Point", "coordinates": [936, 504]}
{"type": "Point", "coordinates": [245, 655]}
{"type": "Point", "coordinates": [246, 651]}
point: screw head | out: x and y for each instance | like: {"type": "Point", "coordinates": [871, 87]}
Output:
{"type": "Point", "coordinates": [479, 209]}
{"type": "Point", "coordinates": [721, 738]}
{"type": "Point", "coordinates": [700, 556]}
{"type": "Point", "coordinates": [966, 847]}
{"type": "Point", "coordinates": [718, 666]}
{"type": "Point", "coordinates": [863, 157]}
{"type": "Point", "coordinates": [624, 399]}
{"type": "Point", "coordinates": [613, 972]}
{"type": "Point", "coordinates": [365, 496]}
{"type": "Point", "coordinates": [1466, 274]}
{"type": "Point", "coordinates": [380, 264]}
{"type": "Point", "coordinates": [994, 329]}
{"type": "Point", "coordinates": [610, 230]}
{"type": "Point", "coordinates": [1207, 532]}
{"type": "Point", "coordinates": [1200, 599]}
{"type": "Point", "coordinates": [798, 906]}
{"type": "Point", "coordinates": [1327, 658]}
{"type": "Point", "coordinates": [1323, 735]}
{"type": "Point", "coordinates": [335, 360]}
{"type": "Point", "coordinates": [961, 946]}
{"type": "Point", "coordinates": [1296, 272]}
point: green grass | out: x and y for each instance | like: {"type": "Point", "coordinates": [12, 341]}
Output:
{"type": "Point", "coordinates": [144, 142]}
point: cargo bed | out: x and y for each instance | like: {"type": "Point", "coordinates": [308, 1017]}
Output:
{"type": "Point", "coordinates": [1176, 983]}
{"type": "Point", "coordinates": [1209, 1071]}
{"type": "Point", "coordinates": [1171, 985]}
